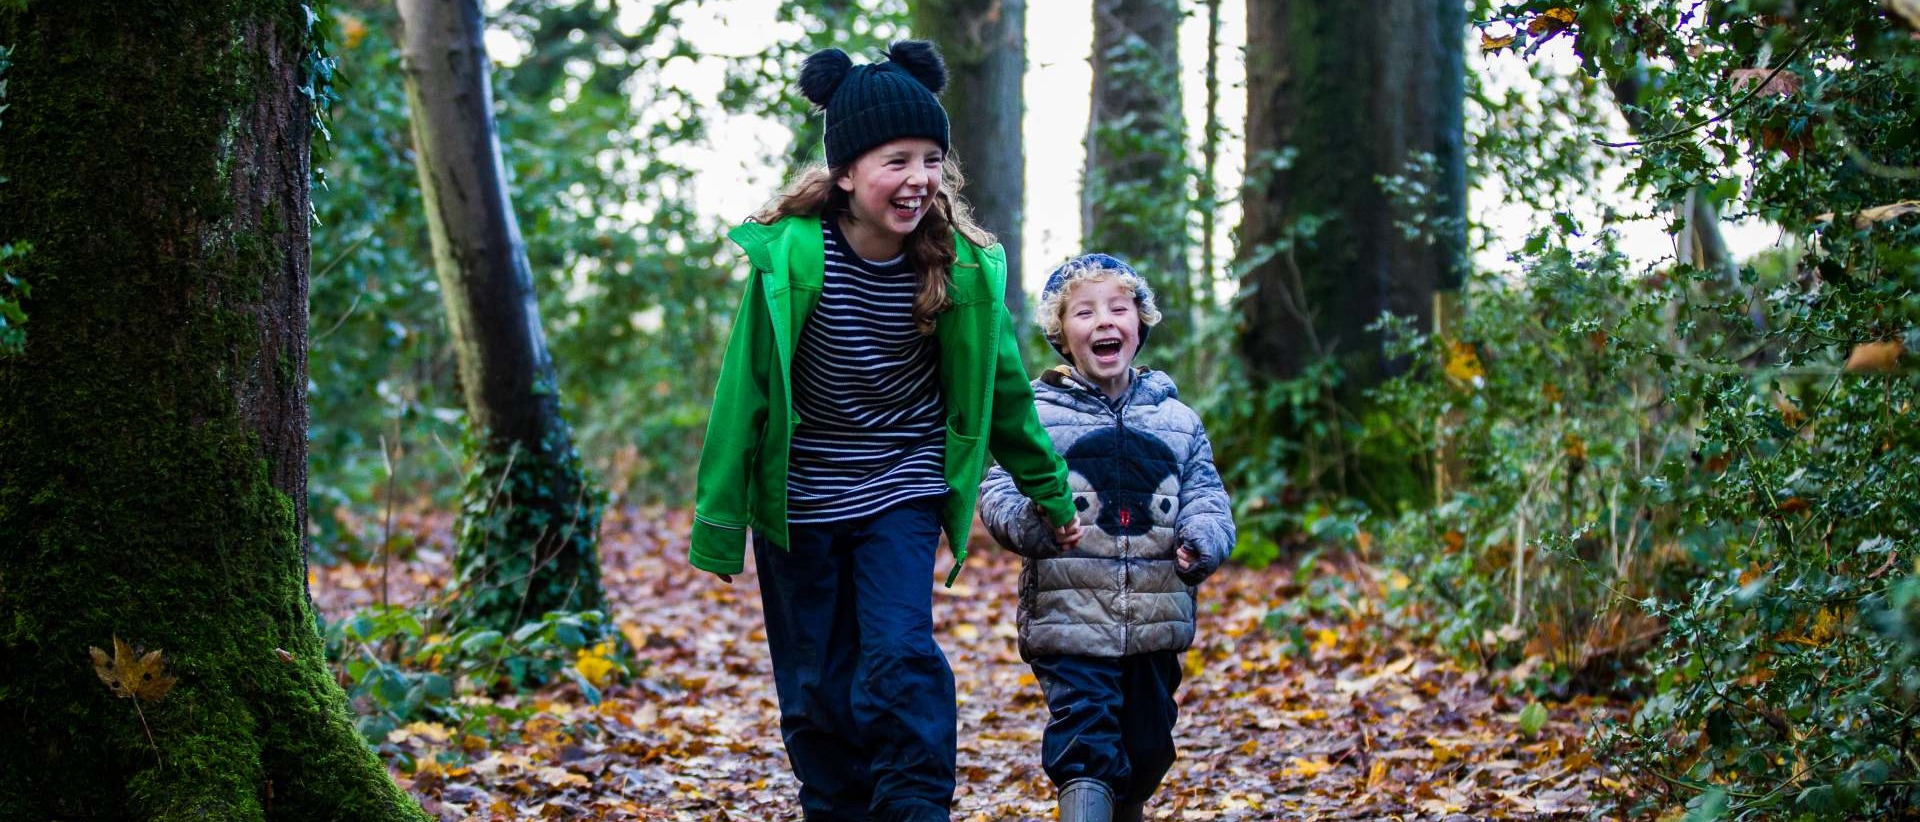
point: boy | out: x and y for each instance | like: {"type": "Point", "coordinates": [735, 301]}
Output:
{"type": "Point", "coordinates": [1103, 622]}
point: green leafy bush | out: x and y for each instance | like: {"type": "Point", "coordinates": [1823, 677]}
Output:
{"type": "Point", "coordinates": [1695, 482]}
{"type": "Point", "coordinates": [397, 669]}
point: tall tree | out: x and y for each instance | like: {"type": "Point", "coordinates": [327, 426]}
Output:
{"type": "Point", "coordinates": [1133, 197]}
{"type": "Point", "coordinates": [152, 489]}
{"type": "Point", "coordinates": [985, 44]}
{"type": "Point", "coordinates": [1356, 184]}
{"type": "Point", "coordinates": [530, 517]}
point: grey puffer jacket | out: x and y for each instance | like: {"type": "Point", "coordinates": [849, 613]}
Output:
{"type": "Point", "coordinates": [1144, 481]}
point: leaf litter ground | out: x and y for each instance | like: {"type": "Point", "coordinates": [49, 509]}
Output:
{"type": "Point", "coordinates": [1323, 718]}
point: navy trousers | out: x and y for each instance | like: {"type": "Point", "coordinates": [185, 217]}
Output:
{"type": "Point", "coordinates": [866, 696]}
{"type": "Point", "coordinates": [1112, 720]}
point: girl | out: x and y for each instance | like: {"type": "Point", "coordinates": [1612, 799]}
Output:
{"type": "Point", "coordinates": [871, 368]}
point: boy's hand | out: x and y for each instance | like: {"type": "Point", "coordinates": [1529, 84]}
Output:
{"type": "Point", "coordinates": [1185, 557]}
{"type": "Point", "coordinates": [1067, 536]}
{"type": "Point", "coordinates": [726, 578]}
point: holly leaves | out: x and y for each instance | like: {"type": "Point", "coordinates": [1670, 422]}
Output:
{"type": "Point", "coordinates": [132, 675]}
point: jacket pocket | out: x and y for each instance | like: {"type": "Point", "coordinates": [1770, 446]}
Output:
{"type": "Point", "coordinates": [967, 454]}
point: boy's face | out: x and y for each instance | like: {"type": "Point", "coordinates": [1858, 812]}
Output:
{"type": "Point", "coordinates": [1101, 325]}
{"type": "Point", "coordinates": [891, 187]}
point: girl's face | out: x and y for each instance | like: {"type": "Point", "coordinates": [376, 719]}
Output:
{"type": "Point", "coordinates": [1101, 325]}
{"type": "Point", "coordinates": [889, 190]}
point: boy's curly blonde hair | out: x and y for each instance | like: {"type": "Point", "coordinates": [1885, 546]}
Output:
{"type": "Point", "coordinates": [1091, 268]}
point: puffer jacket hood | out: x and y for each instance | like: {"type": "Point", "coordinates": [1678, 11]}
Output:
{"type": "Point", "coordinates": [1143, 480]}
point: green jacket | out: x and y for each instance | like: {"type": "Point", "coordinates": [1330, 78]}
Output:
{"type": "Point", "coordinates": [989, 402]}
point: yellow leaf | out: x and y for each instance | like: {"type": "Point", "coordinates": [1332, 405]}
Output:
{"type": "Point", "coordinates": [352, 29]}
{"type": "Point", "coordinates": [561, 778]}
{"type": "Point", "coordinates": [1463, 364]}
{"type": "Point", "coordinates": [596, 664]}
{"type": "Point", "coordinates": [1553, 20]}
{"type": "Point", "coordinates": [1308, 768]}
{"type": "Point", "coordinates": [966, 632]}
{"type": "Point", "coordinates": [1489, 42]}
{"type": "Point", "coordinates": [1325, 639]}
{"type": "Point", "coordinates": [1376, 775]}
{"type": "Point", "coordinates": [1196, 663]}
{"type": "Point", "coordinates": [1824, 626]}
{"type": "Point", "coordinates": [1876, 356]}
{"type": "Point", "coordinates": [130, 675]}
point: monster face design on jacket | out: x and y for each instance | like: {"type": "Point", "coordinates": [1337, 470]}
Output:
{"type": "Point", "coordinates": [1135, 478]}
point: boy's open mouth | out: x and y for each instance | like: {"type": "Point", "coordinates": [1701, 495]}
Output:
{"type": "Point", "coordinates": [1105, 349]}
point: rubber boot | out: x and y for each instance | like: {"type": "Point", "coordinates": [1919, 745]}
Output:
{"type": "Point", "coordinates": [1130, 812]}
{"type": "Point", "coordinates": [1086, 800]}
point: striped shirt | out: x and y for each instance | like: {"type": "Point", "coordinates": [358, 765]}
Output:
{"type": "Point", "coordinates": [871, 430]}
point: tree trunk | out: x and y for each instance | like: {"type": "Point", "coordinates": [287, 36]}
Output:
{"type": "Point", "coordinates": [1134, 194]}
{"type": "Point", "coordinates": [153, 430]}
{"type": "Point", "coordinates": [1336, 101]}
{"type": "Point", "coordinates": [529, 517]}
{"type": "Point", "coordinates": [985, 45]}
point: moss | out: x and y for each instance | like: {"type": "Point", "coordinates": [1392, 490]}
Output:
{"type": "Point", "coordinates": [136, 496]}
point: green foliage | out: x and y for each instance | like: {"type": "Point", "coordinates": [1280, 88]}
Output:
{"type": "Point", "coordinates": [1137, 190]}
{"type": "Point", "coordinates": [527, 535]}
{"type": "Point", "coordinates": [1696, 485]}
{"type": "Point", "coordinates": [399, 668]}
{"type": "Point", "coordinates": [635, 288]}
{"type": "Point", "coordinates": [13, 289]}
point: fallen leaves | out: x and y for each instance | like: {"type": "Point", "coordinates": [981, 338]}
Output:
{"type": "Point", "coordinates": [132, 675]}
{"type": "Point", "coordinates": [1354, 722]}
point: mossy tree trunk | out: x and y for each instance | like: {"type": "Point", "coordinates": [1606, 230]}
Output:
{"type": "Point", "coordinates": [1336, 100]}
{"type": "Point", "coordinates": [985, 45]}
{"type": "Point", "coordinates": [1134, 195]}
{"type": "Point", "coordinates": [530, 517]}
{"type": "Point", "coordinates": [1354, 205]}
{"type": "Point", "coordinates": [153, 429]}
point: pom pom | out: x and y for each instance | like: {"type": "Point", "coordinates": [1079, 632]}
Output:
{"type": "Point", "coordinates": [821, 74]}
{"type": "Point", "coordinates": [921, 60]}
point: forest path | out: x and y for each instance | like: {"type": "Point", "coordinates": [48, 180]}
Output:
{"type": "Point", "coordinates": [1327, 713]}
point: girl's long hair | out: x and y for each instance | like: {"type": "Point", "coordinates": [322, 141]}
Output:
{"type": "Point", "coordinates": [929, 249]}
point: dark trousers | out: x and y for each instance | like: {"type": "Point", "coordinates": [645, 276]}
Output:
{"type": "Point", "coordinates": [866, 697]}
{"type": "Point", "coordinates": [1112, 720]}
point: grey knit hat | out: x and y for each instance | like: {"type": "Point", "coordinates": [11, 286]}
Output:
{"type": "Point", "coordinates": [1091, 263]}
{"type": "Point", "coordinates": [874, 103]}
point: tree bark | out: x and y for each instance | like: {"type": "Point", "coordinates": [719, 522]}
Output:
{"type": "Point", "coordinates": [985, 45]}
{"type": "Point", "coordinates": [1134, 193]}
{"type": "Point", "coordinates": [153, 429]}
{"type": "Point", "coordinates": [530, 517]}
{"type": "Point", "coordinates": [1335, 101]}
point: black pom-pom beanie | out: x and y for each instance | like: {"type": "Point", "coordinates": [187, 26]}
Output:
{"type": "Point", "coordinates": [871, 104]}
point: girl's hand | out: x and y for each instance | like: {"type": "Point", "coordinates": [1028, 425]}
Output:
{"type": "Point", "coordinates": [1185, 557]}
{"type": "Point", "coordinates": [726, 578]}
{"type": "Point", "coordinates": [1067, 536]}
